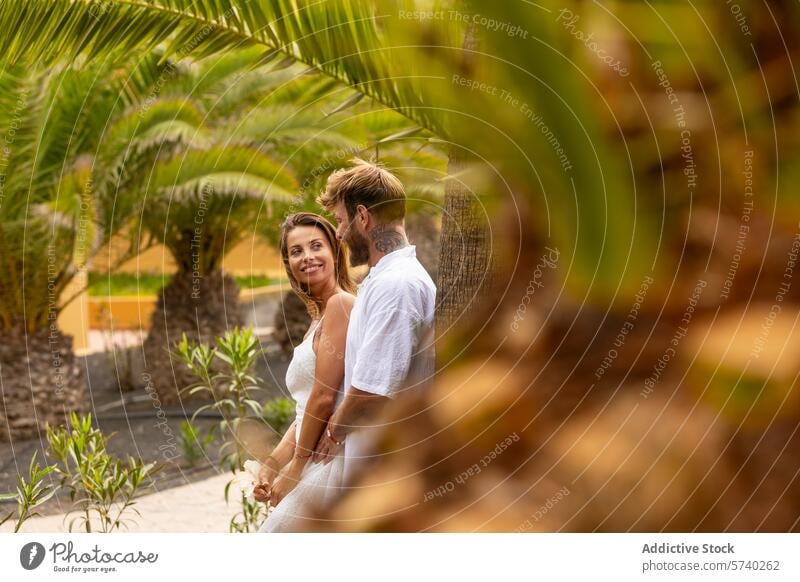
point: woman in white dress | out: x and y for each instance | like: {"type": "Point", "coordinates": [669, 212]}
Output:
{"type": "Point", "coordinates": [317, 267]}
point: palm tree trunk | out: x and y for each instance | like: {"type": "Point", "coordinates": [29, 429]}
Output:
{"type": "Point", "coordinates": [41, 382]}
{"type": "Point", "coordinates": [203, 308]}
{"type": "Point", "coordinates": [291, 323]}
{"type": "Point", "coordinates": [465, 262]}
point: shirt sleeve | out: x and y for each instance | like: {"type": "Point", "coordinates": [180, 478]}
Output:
{"type": "Point", "coordinates": [392, 319]}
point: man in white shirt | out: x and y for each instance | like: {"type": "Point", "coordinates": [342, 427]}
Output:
{"type": "Point", "coordinates": [389, 348]}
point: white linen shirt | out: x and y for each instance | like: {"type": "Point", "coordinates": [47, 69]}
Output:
{"type": "Point", "coordinates": [390, 336]}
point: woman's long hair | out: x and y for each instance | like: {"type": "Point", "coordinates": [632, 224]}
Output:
{"type": "Point", "coordinates": [339, 254]}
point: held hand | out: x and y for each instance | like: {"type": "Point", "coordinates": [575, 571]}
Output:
{"type": "Point", "coordinates": [327, 448]}
{"type": "Point", "coordinates": [285, 482]}
{"type": "Point", "coordinates": [266, 477]}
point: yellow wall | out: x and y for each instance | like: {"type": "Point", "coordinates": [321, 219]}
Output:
{"type": "Point", "coordinates": [133, 312]}
{"type": "Point", "coordinates": [252, 256]}
{"type": "Point", "coordinates": [74, 318]}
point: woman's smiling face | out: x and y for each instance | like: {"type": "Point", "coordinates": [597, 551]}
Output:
{"type": "Point", "coordinates": [310, 255]}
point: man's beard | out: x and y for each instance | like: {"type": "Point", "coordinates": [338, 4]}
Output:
{"type": "Point", "coordinates": [359, 248]}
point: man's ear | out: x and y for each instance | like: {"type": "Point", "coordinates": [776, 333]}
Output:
{"type": "Point", "coordinates": [363, 215]}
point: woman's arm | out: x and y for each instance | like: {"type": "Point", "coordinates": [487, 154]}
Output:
{"type": "Point", "coordinates": [284, 450]}
{"type": "Point", "coordinates": [272, 464]}
{"type": "Point", "coordinates": [328, 376]}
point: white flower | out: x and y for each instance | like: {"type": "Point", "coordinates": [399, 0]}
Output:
{"type": "Point", "coordinates": [252, 467]}
{"type": "Point", "coordinates": [247, 480]}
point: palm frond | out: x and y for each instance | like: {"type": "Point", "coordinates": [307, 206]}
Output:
{"type": "Point", "coordinates": [412, 69]}
{"type": "Point", "coordinates": [285, 123]}
{"type": "Point", "coordinates": [202, 202]}
{"type": "Point", "coordinates": [196, 163]}
{"type": "Point", "coordinates": [234, 185]}
{"type": "Point", "coordinates": [339, 37]}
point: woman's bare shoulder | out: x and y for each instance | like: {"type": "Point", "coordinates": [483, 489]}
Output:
{"type": "Point", "coordinates": [337, 313]}
{"type": "Point", "coordinates": [340, 304]}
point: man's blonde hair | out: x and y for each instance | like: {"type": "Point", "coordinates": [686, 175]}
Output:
{"type": "Point", "coordinates": [369, 184]}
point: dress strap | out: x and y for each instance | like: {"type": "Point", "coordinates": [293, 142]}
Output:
{"type": "Point", "coordinates": [312, 332]}
{"type": "Point", "coordinates": [319, 323]}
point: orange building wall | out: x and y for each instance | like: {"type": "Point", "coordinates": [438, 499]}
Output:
{"type": "Point", "coordinates": [252, 256]}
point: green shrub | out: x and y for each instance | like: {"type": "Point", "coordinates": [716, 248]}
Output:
{"type": "Point", "coordinates": [97, 482]}
{"type": "Point", "coordinates": [31, 493]}
{"type": "Point", "coordinates": [235, 355]}
{"type": "Point", "coordinates": [193, 442]}
{"type": "Point", "coordinates": [225, 371]}
{"type": "Point", "coordinates": [279, 414]}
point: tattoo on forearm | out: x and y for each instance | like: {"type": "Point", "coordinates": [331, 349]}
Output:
{"type": "Point", "coordinates": [386, 239]}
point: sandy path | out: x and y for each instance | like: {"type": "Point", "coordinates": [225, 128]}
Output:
{"type": "Point", "coordinates": [196, 507]}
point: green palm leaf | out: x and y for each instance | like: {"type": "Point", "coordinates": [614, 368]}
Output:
{"type": "Point", "coordinates": [410, 68]}
{"type": "Point", "coordinates": [338, 37]}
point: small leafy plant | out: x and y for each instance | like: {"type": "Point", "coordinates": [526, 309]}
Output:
{"type": "Point", "coordinates": [250, 518]}
{"type": "Point", "coordinates": [31, 493]}
{"type": "Point", "coordinates": [194, 443]}
{"type": "Point", "coordinates": [235, 356]}
{"type": "Point", "coordinates": [97, 483]}
{"type": "Point", "coordinates": [225, 371]}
